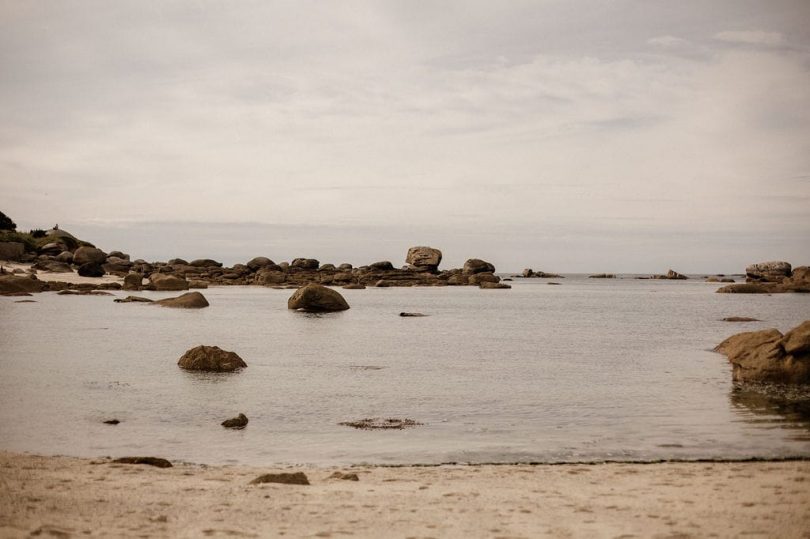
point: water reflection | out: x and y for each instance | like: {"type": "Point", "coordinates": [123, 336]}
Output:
{"type": "Point", "coordinates": [781, 406]}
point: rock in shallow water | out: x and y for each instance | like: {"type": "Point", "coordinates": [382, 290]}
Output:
{"type": "Point", "coordinates": [189, 300]}
{"type": "Point", "coordinates": [769, 356]}
{"type": "Point", "coordinates": [317, 298]}
{"type": "Point", "coordinates": [210, 359]}
{"type": "Point", "coordinates": [238, 422]}
{"type": "Point", "coordinates": [373, 423]}
{"type": "Point", "coordinates": [149, 461]}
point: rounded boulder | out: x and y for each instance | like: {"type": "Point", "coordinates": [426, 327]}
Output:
{"type": "Point", "coordinates": [317, 298]}
{"type": "Point", "coordinates": [210, 359]}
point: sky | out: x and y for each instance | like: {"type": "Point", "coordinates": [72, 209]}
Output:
{"type": "Point", "coordinates": [569, 136]}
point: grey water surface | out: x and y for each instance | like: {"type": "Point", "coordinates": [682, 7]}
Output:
{"type": "Point", "coordinates": [589, 370]}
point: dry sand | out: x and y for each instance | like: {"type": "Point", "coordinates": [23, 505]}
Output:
{"type": "Point", "coordinates": [61, 496]}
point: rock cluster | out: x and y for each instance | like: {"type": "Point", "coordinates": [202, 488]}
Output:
{"type": "Point", "coordinates": [530, 273]}
{"type": "Point", "coordinates": [769, 356]}
{"type": "Point", "coordinates": [771, 278]}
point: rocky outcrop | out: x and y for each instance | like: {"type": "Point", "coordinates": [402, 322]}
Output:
{"type": "Point", "coordinates": [384, 265]}
{"type": "Point", "coordinates": [133, 281]}
{"type": "Point", "coordinates": [317, 298]}
{"type": "Point", "coordinates": [530, 273]}
{"type": "Point", "coordinates": [11, 250]}
{"type": "Point", "coordinates": [15, 284]}
{"type": "Point", "coordinates": [210, 359]}
{"type": "Point", "coordinates": [774, 271]}
{"type": "Point", "coordinates": [166, 281]}
{"type": "Point", "coordinates": [671, 275]}
{"type": "Point", "coordinates": [769, 356]}
{"type": "Point", "coordinates": [189, 300]}
{"type": "Point", "coordinates": [305, 263]}
{"type": "Point", "coordinates": [91, 269]}
{"type": "Point", "coordinates": [424, 258]}
{"type": "Point", "coordinates": [476, 265]}
{"type": "Point", "coordinates": [490, 285]}
{"type": "Point", "coordinates": [84, 255]}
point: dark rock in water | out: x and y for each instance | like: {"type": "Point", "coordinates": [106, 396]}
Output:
{"type": "Point", "coordinates": [745, 288]}
{"type": "Point", "coordinates": [772, 272]}
{"type": "Point", "coordinates": [354, 286]}
{"type": "Point", "coordinates": [111, 422]}
{"type": "Point", "coordinates": [373, 423]}
{"type": "Point", "coordinates": [189, 300]}
{"type": "Point", "coordinates": [15, 284]}
{"type": "Point", "coordinates": [150, 461]}
{"type": "Point", "coordinates": [85, 255]}
{"type": "Point", "coordinates": [424, 258]}
{"type": "Point", "coordinates": [210, 359]}
{"type": "Point", "coordinates": [345, 476]}
{"type": "Point", "coordinates": [91, 269]}
{"type": "Point", "coordinates": [83, 292]}
{"type": "Point", "coordinates": [25, 300]}
{"type": "Point", "coordinates": [602, 276]}
{"type": "Point", "coordinates": [317, 298]}
{"type": "Point", "coordinates": [238, 422]}
{"type": "Point", "coordinates": [297, 478]}
{"type": "Point", "coordinates": [769, 356]}
{"type": "Point", "coordinates": [487, 285]}
{"type": "Point", "coordinates": [553, 283]}
{"type": "Point", "coordinates": [412, 314]}
{"type": "Point", "coordinates": [476, 265]}
{"type": "Point", "coordinates": [133, 299]}
{"type": "Point", "coordinates": [739, 319]}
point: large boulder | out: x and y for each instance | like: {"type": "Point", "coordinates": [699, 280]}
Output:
{"type": "Point", "coordinates": [385, 265]}
{"type": "Point", "coordinates": [799, 281]}
{"type": "Point", "coordinates": [91, 269]}
{"type": "Point", "coordinates": [769, 356]}
{"type": "Point", "coordinates": [259, 262]}
{"type": "Point", "coordinates": [205, 263]}
{"type": "Point", "coordinates": [133, 281]}
{"type": "Point", "coordinates": [317, 298]}
{"type": "Point", "coordinates": [772, 272]}
{"type": "Point", "coordinates": [426, 258]}
{"type": "Point", "coordinates": [166, 281]}
{"type": "Point", "coordinates": [189, 300]}
{"type": "Point", "coordinates": [210, 359]}
{"type": "Point", "coordinates": [305, 263]}
{"type": "Point", "coordinates": [475, 265]}
{"type": "Point", "coordinates": [14, 285]}
{"type": "Point", "coordinates": [745, 288]}
{"type": "Point", "coordinates": [84, 255]}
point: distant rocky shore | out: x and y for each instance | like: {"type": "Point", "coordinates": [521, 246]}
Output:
{"type": "Point", "coordinates": [58, 251]}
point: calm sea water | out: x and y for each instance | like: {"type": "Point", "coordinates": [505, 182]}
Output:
{"type": "Point", "coordinates": [591, 369]}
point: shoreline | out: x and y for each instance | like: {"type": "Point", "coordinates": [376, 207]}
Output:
{"type": "Point", "coordinates": [66, 496]}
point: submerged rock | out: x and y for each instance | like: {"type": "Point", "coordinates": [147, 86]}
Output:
{"type": "Point", "coordinates": [317, 298]}
{"type": "Point", "coordinates": [210, 359]}
{"type": "Point", "coordinates": [740, 319]}
{"type": "Point", "coordinates": [133, 299]}
{"type": "Point", "coordinates": [189, 300]}
{"type": "Point", "coordinates": [238, 422]}
{"type": "Point", "coordinates": [412, 314]}
{"type": "Point", "coordinates": [372, 423]}
{"type": "Point", "coordinates": [149, 461]}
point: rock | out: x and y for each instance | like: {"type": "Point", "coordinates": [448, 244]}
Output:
{"type": "Point", "coordinates": [297, 478]}
{"type": "Point", "coordinates": [375, 423]}
{"type": "Point", "coordinates": [412, 314]}
{"type": "Point", "coordinates": [259, 262]}
{"type": "Point", "coordinates": [166, 281]}
{"type": "Point", "coordinates": [90, 269]}
{"type": "Point", "coordinates": [739, 319]}
{"type": "Point", "coordinates": [196, 283]}
{"type": "Point", "coordinates": [53, 248]}
{"type": "Point", "coordinates": [354, 286]}
{"type": "Point", "coordinates": [490, 285]}
{"type": "Point", "coordinates": [345, 267]}
{"type": "Point", "coordinates": [458, 279]}
{"type": "Point", "coordinates": [772, 272]}
{"type": "Point", "coordinates": [602, 276]}
{"type": "Point", "coordinates": [118, 254]}
{"type": "Point", "coordinates": [189, 300]}
{"type": "Point", "coordinates": [133, 299]}
{"type": "Point", "coordinates": [799, 281]}
{"type": "Point", "coordinates": [238, 422]}
{"type": "Point", "coordinates": [210, 359]}
{"type": "Point", "coordinates": [83, 292]}
{"type": "Point", "coordinates": [133, 281]}
{"type": "Point", "coordinates": [10, 284]}
{"type": "Point", "coordinates": [317, 298]}
{"type": "Point", "coordinates": [385, 265]}
{"type": "Point", "coordinates": [745, 288]}
{"type": "Point", "coordinates": [484, 277]}
{"type": "Point", "coordinates": [52, 266]}
{"type": "Point", "coordinates": [528, 272]}
{"type": "Point", "coordinates": [345, 476]}
{"type": "Point", "coordinates": [205, 263]}
{"type": "Point", "coordinates": [111, 422]}
{"type": "Point", "coordinates": [671, 275]}
{"type": "Point", "coordinates": [177, 262]}
{"type": "Point", "coordinates": [271, 277]}
{"type": "Point", "coordinates": [327, 267]}
{"type": "Point", "coordinates": [475, 265]}
{"type": "Point", "coordinates": [424, 258]}
{"type": "Point", "coordinates": [797, 340]}
{"type": "Point", "coordinates": [305, 263]}
{"type": "Point", "coordinates": [84, 255]}
{"type": "Point", "coordinates": [382, 283]}
{"type": "Point", "coordinates": [11, 250]}
{"type": "Point", "coordinates": [760, 356]}
{"type": "Point", "coordinates": [150, 461]}
{"type": "Point", "coordinates": [65, 256]}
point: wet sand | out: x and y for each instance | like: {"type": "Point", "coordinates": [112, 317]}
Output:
{"type": "Point", "coordinates": [61, 496]}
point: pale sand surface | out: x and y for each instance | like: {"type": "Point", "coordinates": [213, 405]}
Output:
{"type": "Point", "coordinates": [52, 496]}
{"type": "Point", "coordinates": [73, 277]}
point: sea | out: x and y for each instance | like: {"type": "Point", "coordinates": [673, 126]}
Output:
{"type": "Point", "coordinates": [586, 370]}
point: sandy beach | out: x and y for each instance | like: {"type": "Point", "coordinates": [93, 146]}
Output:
{"type": "Point", "coordinates": [62, 497]}
{"type": "Point", "coordinates": [72, 277]}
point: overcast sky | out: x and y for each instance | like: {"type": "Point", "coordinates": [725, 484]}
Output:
{"type": "Point", "coordinates": [561, 135]}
